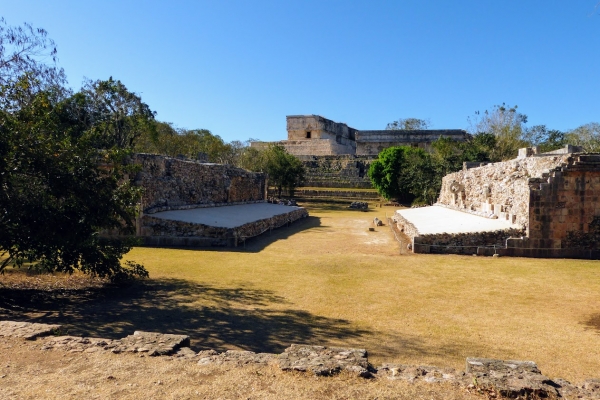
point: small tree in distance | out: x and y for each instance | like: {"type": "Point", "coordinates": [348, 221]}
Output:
{"type": "Point", "coordinates": [411, 124]}
{"type": "Point", "coordinates": [284, 170]}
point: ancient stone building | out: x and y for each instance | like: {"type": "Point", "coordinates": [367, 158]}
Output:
{"type": "Point", "coordinates": [551, 200]}
{"type": "Point", "coordinates": [313, 135]}
{"type": "Point", "coordinates": [336, 155]}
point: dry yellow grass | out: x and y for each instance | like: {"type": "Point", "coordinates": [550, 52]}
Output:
{"type": "Point", "coordinates": [329, 281]}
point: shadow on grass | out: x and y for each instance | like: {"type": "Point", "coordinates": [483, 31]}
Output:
{"type": "Point", "coordinates": [212, 317]}
{"type": "Point", "coordinates": [593, 322]}
{"type": "Point", "coordinates": [328, 205]}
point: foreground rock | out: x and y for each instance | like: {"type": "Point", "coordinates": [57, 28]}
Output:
{"type": "Point", "coordinates": [324, 361]}
{"type": "Point", "coordinates": [495, 378]}
{"type": "Point", "coordinates": [27, 330]}
{"type": "Point", "coordinates": [153, 344]}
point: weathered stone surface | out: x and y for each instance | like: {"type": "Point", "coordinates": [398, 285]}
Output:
{"type": "Point", "coordinates": [552, 201]}
{"type": "Point", "coordinates": [171, 184]}
{"type": "Point", "coordinates": [413, 373]}
{"type": "Point", "coordinates": [324, 361]}
{"type": "Point", "coordinates": [511, 378]}
{"type": "Point", "coordinates": [158, 227]}
{"type": "Point", "coordinates": [237, 357]}
{"type": "Point", "coordinates": [152, 344]}
{"type": "Point", "coordinates": [359, 205]}
{"type": "Point", "coordinates": [76, 344]}
{"type": "Point", "coordinates": [27, 330]}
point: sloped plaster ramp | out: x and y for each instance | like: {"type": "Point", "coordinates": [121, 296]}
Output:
{"type": "Point", "coordinates": [226, 216]}
{"type": "Point", "coordinates": [436, 219]}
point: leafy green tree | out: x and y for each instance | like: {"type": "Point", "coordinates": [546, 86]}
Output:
{"type": "Point", "coordinates": [408, 124]}
{"type": "Point", "coordinates": [115, 117]}
{"type": "Point", "coordinates": [545, 139]}
{"type": "Point", "coordinates": [405, 174]}
{"type": "Point", "coordinates": [58, 188]}
{"type": "Point", "coordinates": [284, 170]}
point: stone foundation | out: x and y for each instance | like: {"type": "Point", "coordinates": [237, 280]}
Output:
{"type": "Point", "coordinates": [170, 233]}
{"type": "Point", "coordinates": [554, 198]}
{"type": "Point", "coordinates": [496, 378]}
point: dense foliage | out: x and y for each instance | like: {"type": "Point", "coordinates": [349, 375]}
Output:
{"type": "Point", "coordinates": [62, 176]}
{"type": "Point", "coordinates": [284, 170]}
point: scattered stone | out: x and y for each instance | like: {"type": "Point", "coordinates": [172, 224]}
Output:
{"type": "Point", "coordinates": [75, 344]}
{"type": "Point", "coordinates": [153, 344]}
{"type": "Point", "coordinates": [413, 373]}
{"type": "Point", "coordinates": [27, 330]}
{"type": "Point", "coordinates": [324, 361]}
{"type": "Point", "coordinates": [359, 205]}
{"type": "Point", "coordinates": [512, 379]}
{"type": "Point", "coordinates": [237, 357]}
{"type": "Point", "coordinates": [377, 222]}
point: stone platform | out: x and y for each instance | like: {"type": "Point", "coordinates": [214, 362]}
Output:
{"type": "Point", "coordinates": [439, 229]}
{"type": "Point", "coordinates": [225, 225]}
{"type": "Point", "coordinates": [437, 219]}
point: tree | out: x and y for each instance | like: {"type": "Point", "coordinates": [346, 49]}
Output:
{"type": "Point", "coordinates": [58, 188]}
{"type": "Point", "coordinates": [408, 124]}
{"type": "Point", "coordinates": [22, 50]}
{"type": "Point", "coordinates": [506, 124]}
{"type": "Point", "coordinates": [113, 116]}
{"type": "Point", "coordinates": [545, 139]}
{"type": "Point", "coordinates": [404, 173]}
{"type": "Point", "coordinates": [284, 170]}
{"type": "Point", "coordinates": [586, 136]}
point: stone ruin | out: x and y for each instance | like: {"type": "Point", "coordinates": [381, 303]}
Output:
{"type": "Point", "coordinates": [313, 135]}
{"type": "Point", "coordinates": [177, 184]}
{"type": "Point", "coordinates": [551, 200]}
{"type": "Point", "coordinates": [336, 155]}
{"type": "Point", "coordinates": [495, 378]}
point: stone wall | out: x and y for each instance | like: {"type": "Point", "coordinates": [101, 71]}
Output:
{"type": "Point", "coordinates": [345, 171]}
{"type": "Point", "coordinates": [464, 243]}
{"type": "Point", "coordinates": [500, 189]}
{"type": "Point", "coordinates": [553, 198]}
{"type": "Point", "coordinates": [564, 207]}
{"type": "Point", "coordinates": [316, 127]}
{"type": "Point", "coordinates": [373, 142]}
{"type": "Point", "coordinates": [164, 232]}
{"type": "Point", "coordinates": [490, 377]}
{"type": "Point", "coordinates": [171, 183]}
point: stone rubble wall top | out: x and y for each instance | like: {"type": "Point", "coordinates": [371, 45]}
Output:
{"type": "Point", "coordinates": [509, 379]}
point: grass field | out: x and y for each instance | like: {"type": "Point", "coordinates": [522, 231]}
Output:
{"type": "Point", "coordinates": [327, 280]}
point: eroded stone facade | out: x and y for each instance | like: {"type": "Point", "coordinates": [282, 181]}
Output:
{"type": "Point", "coordinates": [552, 201]}
{"type": "Point", "coordinates": [313, 135]}
{"type": "Point", "coordinates": [172, 184]}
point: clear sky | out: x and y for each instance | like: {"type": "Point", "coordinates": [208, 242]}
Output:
{"type": "Point", "coordinates": [239, 67]}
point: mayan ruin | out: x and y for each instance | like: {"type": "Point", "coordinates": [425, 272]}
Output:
{"type": "Point", "coordinates": [543, 205]}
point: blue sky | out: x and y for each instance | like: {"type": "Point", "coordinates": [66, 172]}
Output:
{"type": "Point", "coordinates": [239, 67]}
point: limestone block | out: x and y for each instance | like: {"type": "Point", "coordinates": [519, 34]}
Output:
{"type": "Point", "coordinates": [511, 378]}
{"type": "Point", "coordinates": [153, 344]}
{"type": "Point", "coordinates": [324, 361]}
{"type": "Point", "coordinates": [27, 330]}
